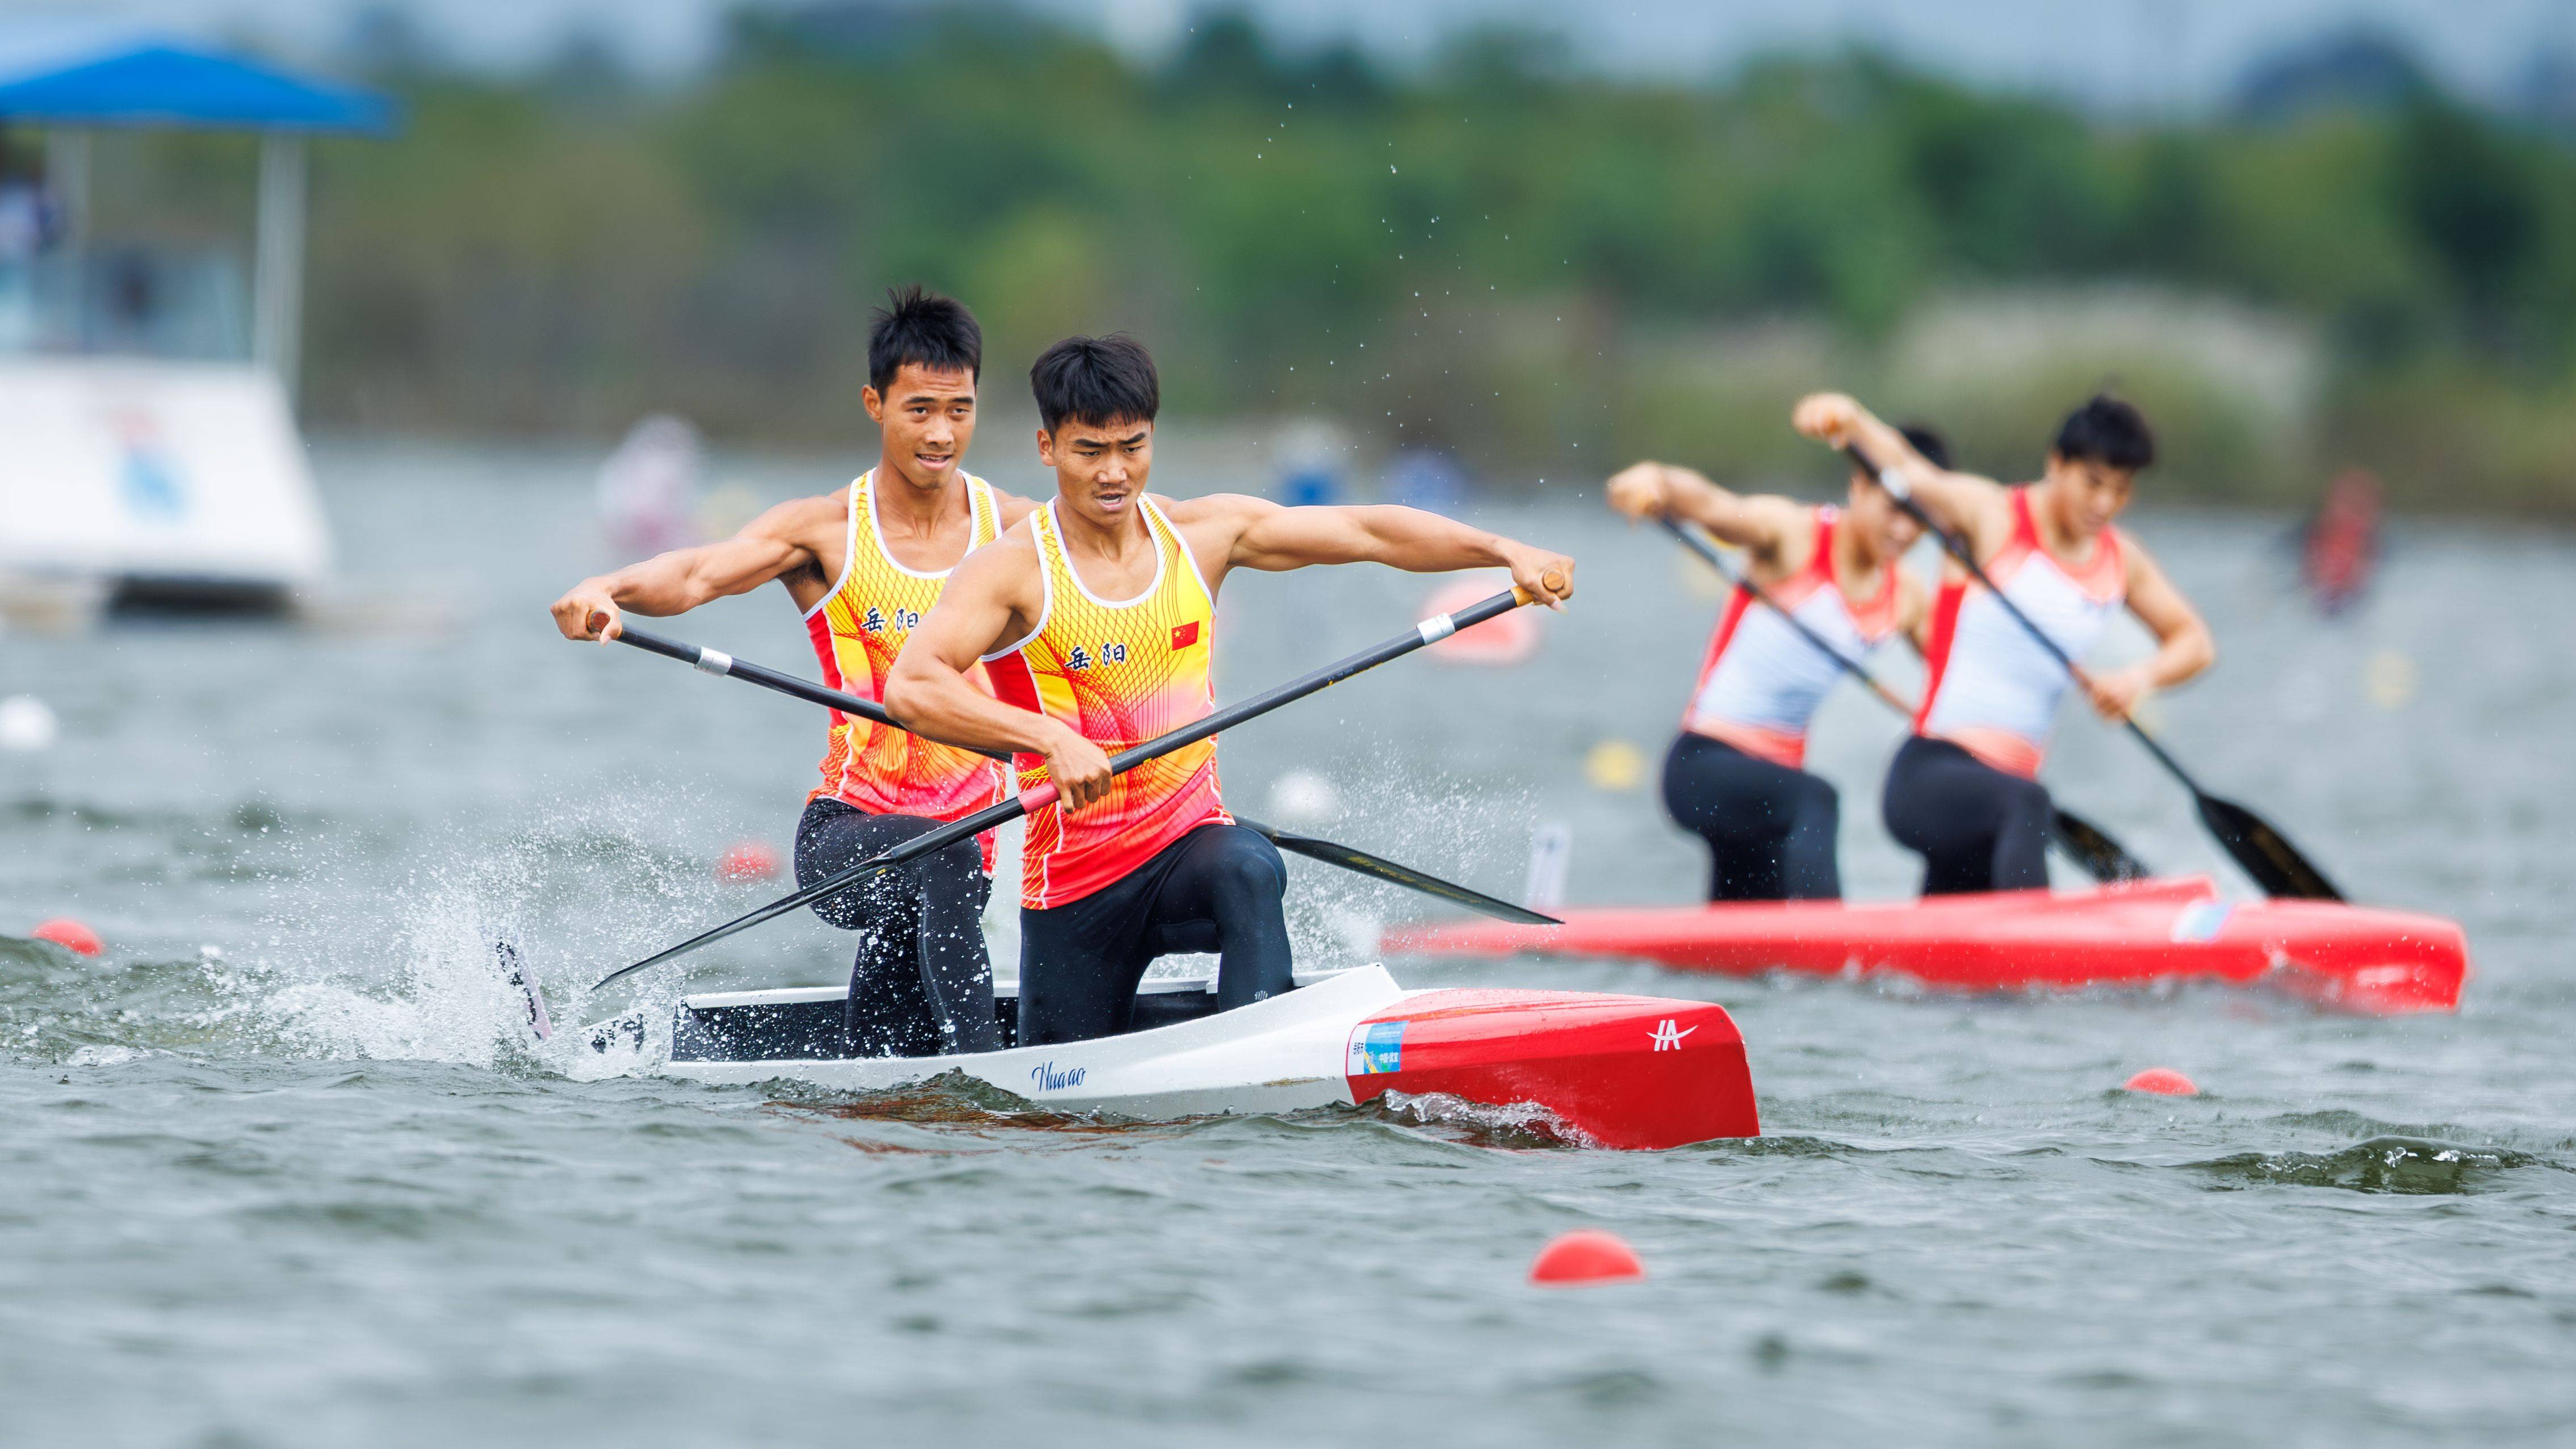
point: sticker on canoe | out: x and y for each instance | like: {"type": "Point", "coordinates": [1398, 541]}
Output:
{"type": "Point", "coordinates": [2201, 921]}
{"type": "Point", "coordinates": [1376, 1047]}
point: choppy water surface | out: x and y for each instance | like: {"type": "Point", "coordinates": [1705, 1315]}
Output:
{"type": "Point", "coordinates": [272, 1172]}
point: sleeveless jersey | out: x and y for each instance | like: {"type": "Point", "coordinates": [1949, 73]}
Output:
{"type": "Point", "coordinates": [1120, 673]}
{"type": "Point", "coordinates": [1762, 679]}
{"type": "Point", "coordinates": [857, 631]}
{"type": "Point", "coordinates": [1993, 690]}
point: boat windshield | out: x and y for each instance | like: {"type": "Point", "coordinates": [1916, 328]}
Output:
{"type": "Point", "coordinates": [125, 302]}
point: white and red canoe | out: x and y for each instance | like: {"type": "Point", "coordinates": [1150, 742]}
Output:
{"type": "Point", "coordinates": [1609, 1071]}
{"type": "Point", "coordinates": [2353, 958]}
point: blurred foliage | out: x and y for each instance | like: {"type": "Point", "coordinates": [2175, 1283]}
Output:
{"type": "Point", "coordinates": [1544, 269]}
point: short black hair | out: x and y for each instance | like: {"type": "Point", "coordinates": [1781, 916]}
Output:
{"type": "Point", "coordinates": [2107, 431]}
{"type": "Point", "coordinates": [1096, 380]}
{"type": "Point", "coordinates": [918, 325]}
{"type": "Point", "coordinates": [1934, 448]}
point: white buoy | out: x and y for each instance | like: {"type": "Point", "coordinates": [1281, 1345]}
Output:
{"type": "Point", "coordinates": [1302, 797]}
{"type": "Point", "coordinates": [27, 724]}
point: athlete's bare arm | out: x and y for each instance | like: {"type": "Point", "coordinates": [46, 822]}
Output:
{"type": "Point", "coordinates": [1776, 531]}
{"type": "Point", "coordinates": [2184, 647]}
{"type": "Point", "coordinates": [1963, 503]}
{"type": "Point", "coordinates": [995, 597]}
{"type": "Point", "coordinates": [1239, 531]}
{"type": "Point", "coordinates": [800, 540]}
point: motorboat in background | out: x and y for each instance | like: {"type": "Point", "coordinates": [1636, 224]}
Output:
{"type": "Point", "coordinates": [147, 394]}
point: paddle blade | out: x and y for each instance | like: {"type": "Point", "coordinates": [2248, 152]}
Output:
{"type": "Point", "coordinates": [514, 974]}
{"type": "Point", "coordinates": [2095, 852]}
{"type": "Point", "coordinates": [2274, 863]}
{"type": "Point", "coordinates": [1360, 862]}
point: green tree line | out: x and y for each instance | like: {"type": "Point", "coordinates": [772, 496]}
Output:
{"type": "Point", "coordinates": [1539, 267]}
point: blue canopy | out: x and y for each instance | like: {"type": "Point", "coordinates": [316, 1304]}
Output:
{"type": "Point", "coordinates": [87, 74]}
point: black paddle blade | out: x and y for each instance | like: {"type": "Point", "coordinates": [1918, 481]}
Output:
{"type": "Point", "coordinates": [1360, 862]}
{"type": "Point", "coordinates": [2095, 852]}
{"type": "Point", "coordinates": [2274, 863]}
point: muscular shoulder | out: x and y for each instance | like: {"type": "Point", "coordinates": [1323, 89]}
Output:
{"type": "Point", "coordinates": [815, 524]}
{"type": "Point", "coordinates": [1213, 508]}
{"type": "Point", "coordinates": [1007, 568]}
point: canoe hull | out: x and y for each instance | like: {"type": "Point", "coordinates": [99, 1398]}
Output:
{"type": "Point", "coordinates": [1612, 1071]}
{"type": "Point", "coordinates": [2350, 958]}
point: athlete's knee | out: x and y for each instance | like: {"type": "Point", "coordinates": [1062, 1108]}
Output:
{"type": "Point", "coordinates": [1247, 867]}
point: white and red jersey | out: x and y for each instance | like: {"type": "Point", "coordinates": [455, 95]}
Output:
{"type": "Point", "coordinates": [1994, 690]}
{"type": "Point", "coordinates": [1762, 679]}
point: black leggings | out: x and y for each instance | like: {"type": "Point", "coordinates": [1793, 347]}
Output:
{"type": "Point", "coordinates": [922, 984]}
{"type": "Point", "coordinates": [1214, 889]}
{"type": "Point", "coordinates": [1977, 828]}
{"type": "Point", "coordinates": [1770, 829]}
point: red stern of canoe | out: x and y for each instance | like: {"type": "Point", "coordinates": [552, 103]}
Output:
{"type": "Point", "coordinates": [1625, 1071]}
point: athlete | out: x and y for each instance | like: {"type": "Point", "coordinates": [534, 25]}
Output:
{"type": "Point", "coordinates": [1096, 617]}
{"type": "Point", "coordinates": [1964, 792]}
{"type": "Point", "coordinates": [1736, 773]}
{"type": "Point", "coordinates": [864, 564]}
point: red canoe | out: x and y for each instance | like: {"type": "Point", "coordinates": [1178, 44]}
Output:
{"type": "Point", "coordinates": [2354, 958]}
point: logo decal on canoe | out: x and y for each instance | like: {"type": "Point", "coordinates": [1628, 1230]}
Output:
{"type": "Point", "coordinates": [1668, 1036]}
{"type": "Point", "coordinates": [2201, 921]}
{"type": "Point", "coordinates": [1051, 1080]}
{"type": "Point", "coordinates": [1376, 1047]}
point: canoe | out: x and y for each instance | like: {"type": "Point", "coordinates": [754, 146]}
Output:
{"type": "Point", "coordinates": [2351, 958]}
{"type": "Point", "coordinates": [1605, 1070]}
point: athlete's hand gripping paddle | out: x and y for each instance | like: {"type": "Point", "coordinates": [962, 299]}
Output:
{"type": "Point", "coordinates": [2091, 848]}
{"type": "Point", "coordinates": [1350, 858]}
{"type": "Point", "coordinates": [1038, 797]}
{"type": "Point", "coordinates": [2263, 852]}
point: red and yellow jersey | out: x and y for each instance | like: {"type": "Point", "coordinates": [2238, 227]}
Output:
{"type": "Point", "coordinates": [1121, 674]}
{"type": "Point", "coordinates": [857, 631]}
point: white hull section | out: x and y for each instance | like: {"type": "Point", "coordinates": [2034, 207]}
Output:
{"type": "Point", "coordinates": [1273, 1056]}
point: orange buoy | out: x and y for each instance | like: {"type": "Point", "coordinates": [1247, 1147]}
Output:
{"type": "Point", "coordinates": [1586, 1255]}
{"type": "Point", "coordinates": [747, 860]}
{"type": "Point", "coordinates": [2163, 1082]}
{"type": "Point", "coordinates": [71, 935]}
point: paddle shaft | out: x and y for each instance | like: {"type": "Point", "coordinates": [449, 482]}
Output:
{"type": "Point", "coordinates": [1038, 797]}
{"type": "Point", "coordinates": [1360, 862]}
{"type": "Point", "coordinates": [716, 661]}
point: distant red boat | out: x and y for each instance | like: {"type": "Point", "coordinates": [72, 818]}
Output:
{"type": "Point", "coordinates": [2351, 958]}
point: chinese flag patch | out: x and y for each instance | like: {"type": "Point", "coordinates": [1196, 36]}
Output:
{"type": "Point", "coordinates": [1185, 635]}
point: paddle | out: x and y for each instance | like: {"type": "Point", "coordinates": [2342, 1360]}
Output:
{"type": "Point", "coordinates": [2092, 850]}
{"type": "Point", "coordinates": [2263, 852]}
{"type": "Point", "coordinates": [1358, 862]}
{"type": "Point", "coordinates": [1038, 797]}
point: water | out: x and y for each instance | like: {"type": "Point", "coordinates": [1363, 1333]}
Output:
{"type": "Point", "coordinates": [273, 1171]}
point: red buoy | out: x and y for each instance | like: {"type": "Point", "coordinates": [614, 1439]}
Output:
{"type": "Point", "coordinates": [747, 860]}
{"type": "Point", "coordinates": [71, 935]}
{"type": "Point", "coordinates": [1586, 1255]}
{"type": "Point", "coordinates": [2163, 1082]}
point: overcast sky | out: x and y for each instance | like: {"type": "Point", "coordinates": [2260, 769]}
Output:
{"type": "Point", "coordinates": [2122, 53]}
